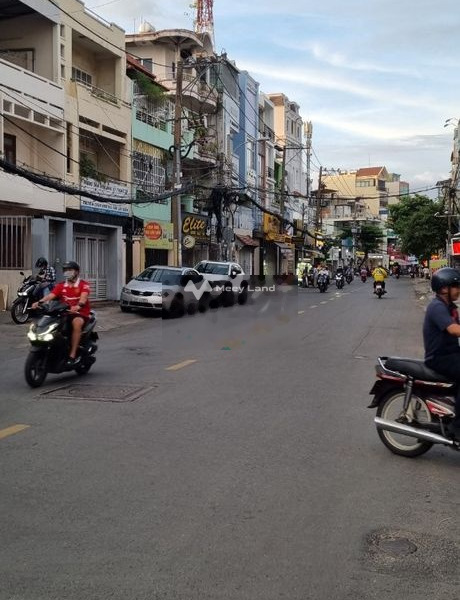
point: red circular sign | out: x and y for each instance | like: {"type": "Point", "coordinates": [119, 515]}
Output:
{"type": "Point", "coordinates": [153, 231]}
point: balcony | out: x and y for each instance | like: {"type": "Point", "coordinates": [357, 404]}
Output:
{"type": "Point", "coordinates": [197, 95]}
{"type": "Point", "coordinates": [30, 95]}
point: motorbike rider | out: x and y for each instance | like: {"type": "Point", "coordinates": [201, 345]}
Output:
{"type": "Point", "coordinates": [379, 274]}
{"type": "Point", "coordinates": [46, 275]}
{"type": "Point", "coordinates": [363, 272]}
{"type": "Point", "coordinates": [74, 292]}
{"type": "Point", "coordinates": [441, 327]}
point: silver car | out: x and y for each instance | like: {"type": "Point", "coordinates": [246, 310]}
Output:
{"type": "Point", "coordinates": [171, 291]}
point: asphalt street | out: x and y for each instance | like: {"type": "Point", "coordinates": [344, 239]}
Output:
{"type": "Point", "coordinates": [226, 455]}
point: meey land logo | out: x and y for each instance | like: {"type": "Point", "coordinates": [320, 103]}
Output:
{"type": "Point", "coordinates": [206, 288]}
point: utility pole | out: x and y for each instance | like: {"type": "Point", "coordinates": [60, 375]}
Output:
{"type": "Point", "coordinates": [176, 212]}
{"type": "Point", "coordinates": [318, 219]}
{"type": "Point", "coordinates": [283, 186]}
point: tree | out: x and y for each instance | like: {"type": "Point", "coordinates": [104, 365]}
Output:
{"type": "Point", "coordinates": [368, 239]}
{"type": "Point", "coordinates": [421, 232]}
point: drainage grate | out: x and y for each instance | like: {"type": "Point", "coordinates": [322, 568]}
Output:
{"type": "Point", "coordinates": [99, 393]}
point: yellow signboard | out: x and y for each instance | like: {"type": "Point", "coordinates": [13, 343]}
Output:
{"type": "Point", "coordinates": [271, 224]}
{"type": "Point", "coordinates": [158, 234]}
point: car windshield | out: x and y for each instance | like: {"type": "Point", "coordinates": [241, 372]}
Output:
{"type": "Point", "coordinates": [165, 276]}
{"type": "Point", "coordinates": [215, 269]}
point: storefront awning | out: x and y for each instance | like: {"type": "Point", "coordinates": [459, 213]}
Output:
{"type": "Point", "coordinates": [284, 246]}
{"type": "Point", "coordinates": [246, 240]}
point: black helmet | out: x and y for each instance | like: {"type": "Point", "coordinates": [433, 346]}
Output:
{"type": "Point", "coordinates": [445, 277]}
{"type": "Point", "coordinates": [71, 265]}
{"type": "Point", "coordinates": [41, 263]}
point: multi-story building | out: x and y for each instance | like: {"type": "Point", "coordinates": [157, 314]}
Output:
{"type": "Point", "coordinates": [358, 197]}
{"type": "Point", "coordinates": [181, 61]}
{"type": "Point", "coordinates": [291, 178]}
{"type": "Point", "coordinates": [66, 117]}
{"type": "Point", "coordinates": [152, 137]}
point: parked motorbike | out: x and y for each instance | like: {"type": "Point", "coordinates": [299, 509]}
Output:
{"type": "Point", "coordinates": [27, 294]}
{"type": "Point", "coordinates": [322, 283]}
{"type": "Point", "coordinates": [415, 406]}
{"type": "Point", "coordinates": [50, 340]}
{"type": "Point", "coordinates": [379, 289]}
{"type": "Point", "coordinates": [339, 281]}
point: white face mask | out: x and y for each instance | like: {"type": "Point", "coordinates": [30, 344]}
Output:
{"type": "Point", "coordinates": [70, 275]}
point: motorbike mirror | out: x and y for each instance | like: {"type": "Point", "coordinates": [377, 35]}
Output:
{"type": "Point", "coordinates": [21, 273]}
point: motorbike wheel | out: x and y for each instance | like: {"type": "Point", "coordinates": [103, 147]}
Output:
{"type": "Point", "coordinates": [84, 367]}
{"type": "Point", "coordinates": [18, 314]}
{"type": "Point", "coordinates": [391, 408]}
{"type": "Point", "coordinates": [35, 369]}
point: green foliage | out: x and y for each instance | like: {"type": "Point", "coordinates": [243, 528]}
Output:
{"type": "Point", "coordinates": [420, 231]}
{"type": "Point", "coordinates": [88, 169]}
{"type": "Point", "coordinates": [368, 238]}
{"type": "Point", "coordinates": [148, 87]}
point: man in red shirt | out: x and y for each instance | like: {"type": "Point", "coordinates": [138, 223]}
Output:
{"type": "Point", "coordinates": [74, 292]}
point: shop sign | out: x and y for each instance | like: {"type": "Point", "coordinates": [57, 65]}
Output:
{"type": "Point", "coordinates": [271, 225]}
{"type": "Point", "coordinates": [195, 226]}
{"type": "Point", "coordinates": [107, 189]}
{"type": "Point", "coordinates": [188, 242]}
{"type": "Point", "coordinates": [455, 247]}
{"type": "Point", "coordinates": [158, 234]}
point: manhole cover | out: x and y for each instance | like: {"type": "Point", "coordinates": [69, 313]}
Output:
{"type": "Point", "coordinates": [99, 393]}
{"type": "Point", "coordinates": [396, 546]}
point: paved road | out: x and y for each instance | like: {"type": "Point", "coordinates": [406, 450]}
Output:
{"type": "Point", "coordinates": [226, 456]}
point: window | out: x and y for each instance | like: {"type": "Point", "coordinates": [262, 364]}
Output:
{"type": "Point", "coordinates": [15, 242]}
{"type": "Point", "coordinates": [149, 175]}
{"type": "Point", "coordinates": [147, 63]}
{"type": "Point", "coordinates": [9, 148]}
{"type": "Point", "coordinates": [81, 76]}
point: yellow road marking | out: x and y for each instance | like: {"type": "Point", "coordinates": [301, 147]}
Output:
{"type": "Point", "coordinates": [181, 365]}
{"type": "Point", "coordinates": [12, 430]}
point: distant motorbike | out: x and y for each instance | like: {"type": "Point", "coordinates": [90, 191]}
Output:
{"type": "Point", "coordinates": [339, 281]}
{"type": "Point", "coordinates": [27, 294]}
{"type": "Point", "coordinates": [415, 406]}
{"type": "Point", "coordinates": [364, 277]}
{"type": "Point", "coordinates": [50, 340]}
{"type": "Point", "coordinates": [378, 290]}
{"type": "Point", "coordinates": [322, 283]}
{"type": "Point", "coordinates": [349, 277]}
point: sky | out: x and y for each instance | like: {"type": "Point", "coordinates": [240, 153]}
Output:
{"type": "Point", "coordinates": [377, 79]}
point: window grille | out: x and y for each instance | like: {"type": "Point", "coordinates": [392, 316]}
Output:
{"type": "Point", "coordinates": [15, 242]}
{"type": "Point", "coordinates": [81, 76]}
{"type": "Point", "coordinates": [149, 175]}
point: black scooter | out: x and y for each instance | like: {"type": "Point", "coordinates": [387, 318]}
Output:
{"type": "Point", "coordinates": [50, 339]}
{"type": "Point", "coordinates": [27, 294]}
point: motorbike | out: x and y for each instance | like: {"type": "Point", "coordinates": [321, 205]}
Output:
{"type": "Point", "coordinates": [415, 406]}
{"type": "Point", "coordinates": [378, 290]}
{"type": "Point", "coordinates": [322, 283]}
{"type": "Point", "coordinates": [364, 278]}
{"type": "Point", "coordinates": [27, 294]}
{"type": "Point", "coordinates": [348, 278]}
{"type": "Point", "coordinates": [339, 281]}
{"type": "Point", "coordinates": [50, 340]}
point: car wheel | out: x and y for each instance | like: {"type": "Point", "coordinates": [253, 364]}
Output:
{"type": "Point", "coordinates": [243, 295]}
{"type": "Point", "coordinates": [125, 309]}
{"type": "Point", "coordinates": [177, 307]}
{"type": "Point", "coordinates": [204, 303]}
{"type": "Point", "coordinates": [227, 295]}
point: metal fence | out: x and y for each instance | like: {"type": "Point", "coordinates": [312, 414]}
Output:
{"type": "Point", "coordinates": [15, 243]}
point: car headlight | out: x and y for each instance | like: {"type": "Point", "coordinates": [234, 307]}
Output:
{"type": "Point", "coordinates": [126, 290]}
{"type": "Point", "coordinates": [157, 294]}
